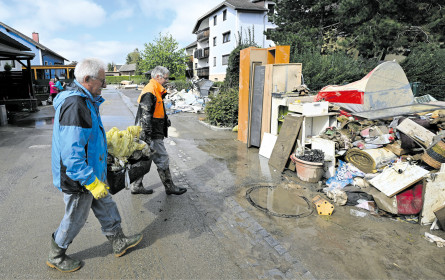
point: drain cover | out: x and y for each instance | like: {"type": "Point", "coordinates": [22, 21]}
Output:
{"type": "Point", "coordinates": [279, 201]}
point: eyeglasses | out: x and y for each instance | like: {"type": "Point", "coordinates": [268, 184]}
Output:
{"type": "Point", "coordinates": [104, 82]}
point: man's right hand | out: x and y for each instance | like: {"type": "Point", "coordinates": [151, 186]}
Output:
{"type": "Point", "coordinates": [98, 189]}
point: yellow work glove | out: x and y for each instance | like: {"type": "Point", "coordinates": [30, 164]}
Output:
{"type": "Point", "coordinates": [98, 189]}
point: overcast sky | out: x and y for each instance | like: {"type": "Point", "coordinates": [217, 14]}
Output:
{"type": "Point", "coordinates": [107, 29]}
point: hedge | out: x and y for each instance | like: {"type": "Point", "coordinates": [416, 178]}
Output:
{"type": "Point", "coordinates": [138, 79]}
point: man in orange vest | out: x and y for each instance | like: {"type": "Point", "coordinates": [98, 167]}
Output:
{"type": "Point", "coordinates": [152, 118]}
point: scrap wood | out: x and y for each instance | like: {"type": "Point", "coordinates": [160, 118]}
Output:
{"type": "Point", "coordinates": [397, 178]}
{"type": "Point", "coordinates": [416, 132]}
{"type": "Point", "coordinates": [396, 148]}
{"type": "Point", "coordinates": [285, 142]}
{"type": "Point", "coordinates": [323, 206]}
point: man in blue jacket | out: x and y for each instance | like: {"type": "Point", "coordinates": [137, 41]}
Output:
{"type": "Point", "coordinates": [79, 166]}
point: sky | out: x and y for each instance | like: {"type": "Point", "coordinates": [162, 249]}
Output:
{"type": "Point", "coordinates": [106, 29]}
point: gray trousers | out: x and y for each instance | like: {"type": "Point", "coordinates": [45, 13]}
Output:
{"type": "Point", "coordinates": [160, 158]}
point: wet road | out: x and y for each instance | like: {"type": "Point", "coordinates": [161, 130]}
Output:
{"type": "Point", "coordinates": [212, 231]}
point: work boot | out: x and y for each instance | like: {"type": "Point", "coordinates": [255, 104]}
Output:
{"type": "Point", "coordinates": [121, 243]}
{"type": "Point", "coordinates": [58, 260]}
{"type": "Point", "coordinates": [170, 187]}
{"type": "Point", "coordinates": [138, 188]}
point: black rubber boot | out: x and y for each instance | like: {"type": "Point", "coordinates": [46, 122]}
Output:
{"type": "Point", "coordinates": [59, 260]}
{"type": "Point", "coordinates": [170, 187]}
{"type": "Point", "coordinates": [121, 243]}
{"type": "Point", "coordinates": [138, 188]}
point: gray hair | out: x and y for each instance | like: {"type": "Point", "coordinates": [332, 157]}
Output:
{"type": "Point", "coordinates": [160, 71]}
{"type": "Point", "coordinates": [88, 67]}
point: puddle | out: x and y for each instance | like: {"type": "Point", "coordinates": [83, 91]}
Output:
{"type": "Point", "coordinates": [279, 201]}
{"type": "Point", "coordinates": [36, 123]}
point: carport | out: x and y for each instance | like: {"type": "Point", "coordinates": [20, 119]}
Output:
{"type": "Point", "coordinates": [16, 90]}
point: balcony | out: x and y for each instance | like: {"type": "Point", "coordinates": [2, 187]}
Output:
{"type": "Point", "coordinates": [202, 72]}
{"type": "Point", "coordinates": [201, 53]}
{"type": "Point", "coordinates": [203, 35]}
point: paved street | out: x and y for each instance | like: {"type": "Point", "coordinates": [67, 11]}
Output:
{"type": "Point", "coordinates": [211, 232]}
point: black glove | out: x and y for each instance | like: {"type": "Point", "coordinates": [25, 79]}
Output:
{"type": "Point", "coordinates": [145, 137]}
{"type": "Point", "coordinates": [169, 123]}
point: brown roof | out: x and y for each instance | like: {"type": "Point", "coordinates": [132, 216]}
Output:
{"type": "Point", "coordinates": [127, 67]}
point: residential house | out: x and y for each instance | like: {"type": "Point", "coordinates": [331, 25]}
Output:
{"type": "Point", "coordinates": [114, 71]}
{"type": "Point", "coordinates": [43, 55]}
{"type": "Point", "coordinates": [218, 31]}
{"type": "Point", "coordinates": [128, 70]}
{"type": "Point", "coordinates": [192, 61]}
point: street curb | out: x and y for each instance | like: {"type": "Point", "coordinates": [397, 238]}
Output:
{"type": "Point", "coordinates": [215, 128]}
{"type": "Point", "coordinates": [133, 108]}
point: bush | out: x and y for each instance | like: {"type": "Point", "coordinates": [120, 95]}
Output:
{"type": "Point", "coordinates": [222, 109]}
{"type": "Point", "coordinates": [181, 84]}
{"type": "Point", "coordinates": [138, 79]}
{"type": "Point", "coordinates": [426, 64]}
{"type": "Point", "coordinates": [331, 69]}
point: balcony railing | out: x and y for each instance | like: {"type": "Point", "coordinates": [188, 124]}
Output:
{"type": "Point", "coordinates": [201, 72]}
{"type": "Point", "coordinates": [203, 35]}
{"type": "Point", "coordinates": [201, 53]}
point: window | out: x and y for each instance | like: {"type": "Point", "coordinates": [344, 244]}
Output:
{"type": "Point", "coordinates": [214, 20]}
{"type": "Point", "coordinates": [226, 37]}
{"type": "Point", "coordinates": [225, 59]}
{"type": "Point", "coordinates": [214, 41]}
{"type": "Point", "coordinates": [214, 61]}
{"type": "Point", "coordinates": [196, 65]}
{"type": "Point", "coordinates": [224, 14]}
{"type": "Point", "coordinates": [271, 8]}
{"type": "Point", "coordinates": [10, 62]}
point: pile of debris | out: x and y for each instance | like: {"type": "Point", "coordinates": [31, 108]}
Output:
{"type": "Point", "coordinates": [383, 152]}
{"type": "Point", "coordinates": [192, 100]}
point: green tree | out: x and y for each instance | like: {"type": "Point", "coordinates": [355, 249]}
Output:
{"type": "Point", "coordinates": [164, 51]}
{"type": "Point", "coordinates": [133, 57]}
{"type": "Point", "coordinates": [426, 64]}
{"type": "Point", "coordinates": [372, 27]}
{"type": "Point", "coordinates": [110, 66]}
{"type": "Point", "coordinates": [232, 70]}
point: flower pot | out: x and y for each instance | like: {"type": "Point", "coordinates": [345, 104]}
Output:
{"type": "Point", "coordinates": [308, 171]}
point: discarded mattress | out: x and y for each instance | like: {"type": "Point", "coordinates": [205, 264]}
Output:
{"type": "Point", "coordinates": [385, 86]}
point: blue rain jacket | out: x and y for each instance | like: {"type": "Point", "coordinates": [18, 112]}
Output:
{"type": "Point", "coordinates": [79, 144]}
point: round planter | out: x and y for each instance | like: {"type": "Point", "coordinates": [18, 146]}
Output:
{"type": "Point", "coordinates": [309, 171]}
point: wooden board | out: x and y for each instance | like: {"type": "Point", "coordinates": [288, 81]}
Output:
{"type": "Point", "coordinates": [267, 101]}
{"type": "Point", "coordinates": [440, 215]}
{"type": "Point", "coordinates": [391, 182]}
{"type": "Point", "coordinates": [285, 141]}
{"type": "Point", "coordinates": [433, 197]}
{"type": "Point", "coordinates": [396, 149]}
{"type": "Point", "coordinates": [416, 132]}
{"type": "Point", "coordinates": [286, 77]}
{"type": "Point", "coordinates": [256, 107]}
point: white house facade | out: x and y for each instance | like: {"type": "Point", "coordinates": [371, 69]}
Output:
{"type": "Point", "coordinates": [219, 31]}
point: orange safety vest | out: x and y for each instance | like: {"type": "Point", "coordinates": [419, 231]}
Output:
{"type": "Point", "coordinates": [157, 90]}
